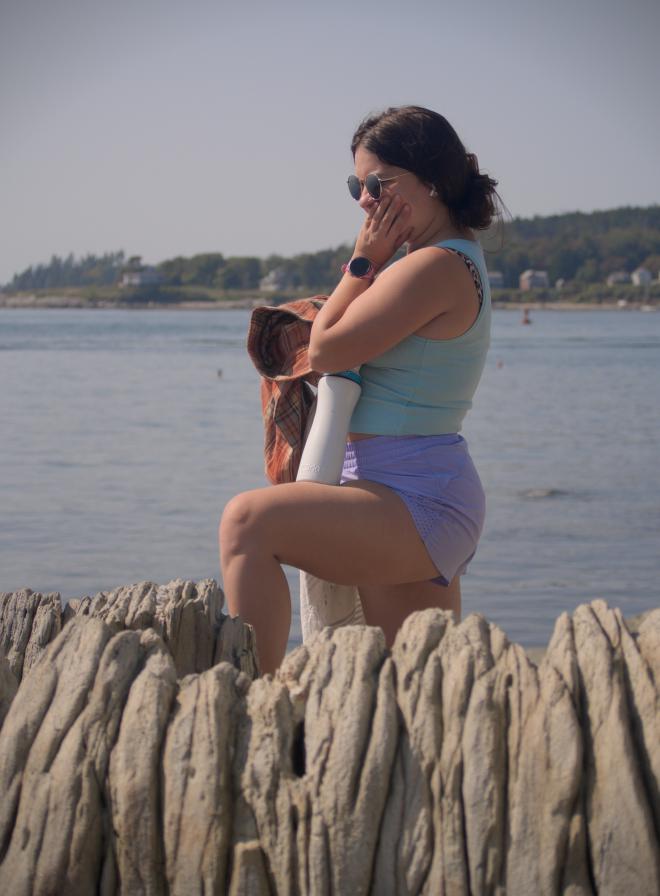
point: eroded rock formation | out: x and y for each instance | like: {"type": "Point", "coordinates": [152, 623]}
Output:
{"type": "Point", "coordinates": [187, 616]}
{"type": "Point", "coordinates": [8, 686]}
{"type": "Point", "coordinates": [450, 765]}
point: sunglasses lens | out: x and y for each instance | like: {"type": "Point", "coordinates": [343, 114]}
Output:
{"type": "Point", "coordinates": [354, 187]}
{"type": "Point", "coordinates": [373, 185]}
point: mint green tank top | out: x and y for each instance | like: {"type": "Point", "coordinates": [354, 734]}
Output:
{"type": "Point", "coordinates": [425, 386]}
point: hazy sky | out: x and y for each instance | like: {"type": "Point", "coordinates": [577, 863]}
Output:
{"type": "Point", "coordinates": [165, 128]}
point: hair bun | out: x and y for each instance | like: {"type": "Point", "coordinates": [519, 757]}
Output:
{"type": "Point", "coordinates": [477, 206]}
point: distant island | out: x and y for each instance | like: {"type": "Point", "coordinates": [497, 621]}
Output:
{"type": "Point", "coordinates": [601, 258]}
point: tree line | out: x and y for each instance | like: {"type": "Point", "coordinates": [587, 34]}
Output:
{"type": "Point", "coordinates": [582, 248]}
{"type": "Point", "coordinates": [90, 270]}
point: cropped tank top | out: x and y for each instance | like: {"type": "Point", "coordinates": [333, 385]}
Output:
{"type": "Point", "coordinates": [425, 386]}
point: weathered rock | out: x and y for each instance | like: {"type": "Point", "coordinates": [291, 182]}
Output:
{"type": "Point", "coordinates": [198, 790]}
{"type": "Point", "coordinates": [450, 765]}
{"type": "Point", "coordinates": [8, 686]}
{"type": "Point", "coordinates": [54, 746]}
{"type": "Point", "coordinates": [187, 615]}
{"type": "Point", "coordinates": [235, 643]}
{"type": "Point", "coordinates": [619, 806]}
{"type": "Point", "coordinates": [316, 754]}
{"type": "Point", "coordinates": [28, 622]}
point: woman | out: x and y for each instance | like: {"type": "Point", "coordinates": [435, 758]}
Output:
{"type": "Point", "coordinates": [409, 513]}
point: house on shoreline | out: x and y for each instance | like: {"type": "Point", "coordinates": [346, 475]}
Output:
{"type": "Point", "coordinates": [532, 279]}
{"type": "Point", "coordinates": [617, 278]}
{"type": "Point", "coordinates": [137, 274]}
{"type": "Point", "coordinates": [641, 277]}
{"type": "Point", "coordinates": [275, 281]}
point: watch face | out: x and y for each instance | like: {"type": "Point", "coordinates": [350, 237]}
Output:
{"type": "Point", "coordinates": [359, 266]}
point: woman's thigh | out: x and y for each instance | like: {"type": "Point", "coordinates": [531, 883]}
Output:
{"type": "Point", "coordinates": [388, 605]}
{"type": "Point", "coordinates": [360, 533]}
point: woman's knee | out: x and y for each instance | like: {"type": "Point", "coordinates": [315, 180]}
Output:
{"type": "Point", "coordinates": [239, 522]}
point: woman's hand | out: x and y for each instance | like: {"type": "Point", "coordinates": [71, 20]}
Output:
{"type": "Point", "coordinates": [385, 229]}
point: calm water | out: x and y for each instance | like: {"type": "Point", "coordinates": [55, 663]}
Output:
{"type": "Point", "coordinates": [121, 444]}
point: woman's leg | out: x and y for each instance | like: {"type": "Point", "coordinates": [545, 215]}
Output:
{"type": "Point", "coordinates": [359, 533]}
{"type": "Point", "coordinates": [388, 605]}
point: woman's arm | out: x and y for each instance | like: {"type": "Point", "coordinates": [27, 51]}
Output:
{"type": "Point", "coordinates": [360, 321]}
{"type": "Point", "coordinates": [347, 290]}
{"type": "Point", "coordinates": [361, 324]}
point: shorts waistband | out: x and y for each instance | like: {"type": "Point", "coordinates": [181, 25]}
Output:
{"type": "Point", "coordinates": [383, 446]}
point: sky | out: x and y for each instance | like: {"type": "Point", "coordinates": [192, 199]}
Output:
{"type": "Point", "coordinates": [167, 128]}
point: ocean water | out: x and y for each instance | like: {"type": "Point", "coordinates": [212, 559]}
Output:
{"type": "Point", "coordinates": [124, 433]}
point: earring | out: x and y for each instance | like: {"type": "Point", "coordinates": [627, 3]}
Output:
{"type": "Point", "coordinates": [433, 192]}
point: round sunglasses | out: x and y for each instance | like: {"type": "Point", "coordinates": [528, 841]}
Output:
{"type": "Point", "coordinates": [373, 184]}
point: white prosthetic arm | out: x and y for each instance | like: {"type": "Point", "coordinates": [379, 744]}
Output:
{"type": "Point", "coordinates": [325, 603]}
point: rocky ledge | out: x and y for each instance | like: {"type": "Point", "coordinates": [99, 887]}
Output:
{"type": "Point", "coordinates": [140, 753]}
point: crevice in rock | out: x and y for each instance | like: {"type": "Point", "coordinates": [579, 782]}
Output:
{"type": "Point", "coordinates": [366, 743]}
{"type": "Point", "coordinates": [506, 759]}
{"type": "Point", "coordinates": [549, 659]}
{"type": "Point", "coordinates": [159, 864]}
{"type": "Point", "coordinates": [11, 824]}
{"type": "Point", "coordinates": [587, 759]}
{"type": "Point", "coordinates": [397, 760]}
{"type": "Point", "coordinates": [327, 863]}
{"type": "Point", "coordinates": [298, 758]}
{"type": "Point", "coordinates": [295, 858]}
{"type": "Point", "coordinates": [270, 874]}
{"type": "Point", "coordinates": [576, 806]}
{"type": "Point", "coordinates": [464, 834]}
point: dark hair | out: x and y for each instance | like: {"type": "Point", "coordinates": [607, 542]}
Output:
{"type": "Point", "coordinates": [424, 142]}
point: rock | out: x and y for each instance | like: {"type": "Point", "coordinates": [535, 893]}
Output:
{"type": "Point", "coordinates": [316, 752]}
{"type": "Point", "coordinates": [28, 622]}
{"type": "Point", "coordinates": [235, 643]}
{"type": "Point", "coordinates": [449, 765]}
{"type": "Point", "coordinates": [8, 686]}
{"type": "Point", "coordinates": [134, 784]}
{"type": "Point", "coordinates": [618, 810]}
{"type": "Point", "coordinates": [54, 748]}
{"type": "Point", "coordinates": [198, 789]}
{"type": "Point", "coordinates": [88, 775]}
{"type": "Point", "coordinates": [187, 615]}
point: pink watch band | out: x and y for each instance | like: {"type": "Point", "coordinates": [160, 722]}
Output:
{"type": "Point", "coordinates": [369, 274]}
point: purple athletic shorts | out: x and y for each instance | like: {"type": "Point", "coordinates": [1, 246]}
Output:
{"type": "Point", "coordinates": [436, 478]}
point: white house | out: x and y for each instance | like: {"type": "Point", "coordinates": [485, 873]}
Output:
{"type": "Point", "coordinates": [641, 277]}
{"type": "Point", "coordinates": [275, 280]}
{"type": "Point", "coordinates": [145, 276]}
{"type": "Point", "coordinates": [533, 280]}
{"type": "Point", "coordinates": [134, 273]}
{"type": "Point", "coordinates": [618, 277]}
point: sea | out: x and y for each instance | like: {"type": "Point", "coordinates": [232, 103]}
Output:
{"type": "Point", "coordinates": [123, 433]}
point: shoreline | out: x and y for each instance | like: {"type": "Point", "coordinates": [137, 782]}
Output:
{"type": "Point", "coordinates": [250, 302]}
{"type": "Point", "coordinates": [31, 303]}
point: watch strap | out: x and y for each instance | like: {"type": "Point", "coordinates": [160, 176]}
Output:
{"type": "Point", "coordinates": [361, 268]}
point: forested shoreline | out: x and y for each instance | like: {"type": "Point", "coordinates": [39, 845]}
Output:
{"type": "Point", "coordinates": [578, 249]}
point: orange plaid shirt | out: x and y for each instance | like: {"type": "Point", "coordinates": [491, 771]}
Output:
{"type": "Point", "coordinates": [277, 343]}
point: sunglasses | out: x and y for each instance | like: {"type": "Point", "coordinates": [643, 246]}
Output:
{"type": "Point", "coordinates": [373, 184]}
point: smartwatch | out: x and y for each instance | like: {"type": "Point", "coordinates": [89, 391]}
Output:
{"type": "Point", "coordinates": [360, 267]}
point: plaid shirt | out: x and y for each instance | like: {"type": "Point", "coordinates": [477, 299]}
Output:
{"type": "Point", "coordinates": [278, 339]}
